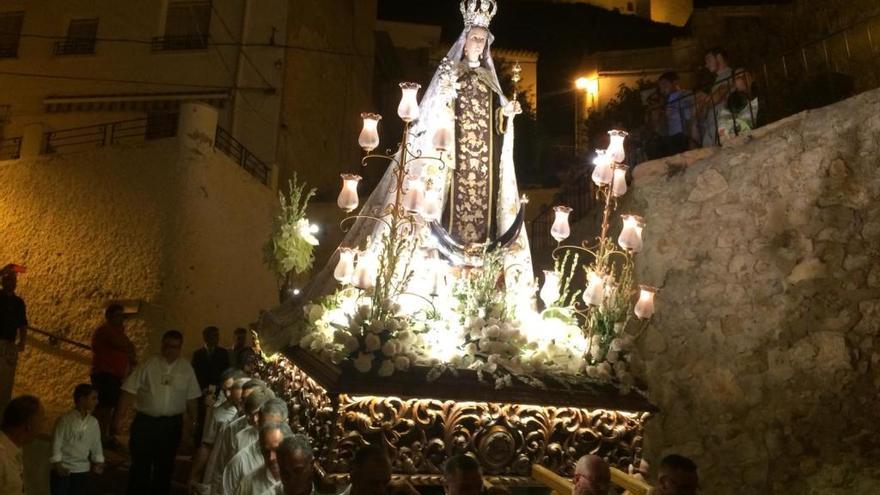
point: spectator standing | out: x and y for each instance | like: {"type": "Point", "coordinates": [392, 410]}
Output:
{"type": "Point", "coordinates": [462, 476]}
{"type": "Point", "coordinates": [592, 476]}
{"type": "Point", "coordinates": [22, 421]}
{"type": "Point", "coordinates": [295, 468]}
{"type": "Point", "coordinates": [164, 390]}
{"type": "Point", "coordinates": [13, 324]}
{"type": "Point", "coordinates": [76, 445]}
{"type": "Point", "coordinates": [239, 345]}
{"type": "Point", "coordinates": [677, 476]}
{"type": "Point", "coordinates": [679, 109]}
{"type": "Point", "coordinates": [113, 356]}
{"type": "Point", "coordinates": [210, 361]}
{"type": "Point", "coordinates": [710, 106]}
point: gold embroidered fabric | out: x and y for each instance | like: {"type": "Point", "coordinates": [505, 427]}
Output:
{"type": "Point", "coordinates": [471, 193]}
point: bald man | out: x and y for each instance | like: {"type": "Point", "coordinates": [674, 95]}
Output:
{"type": "Point", "coordinates": [591, 476]}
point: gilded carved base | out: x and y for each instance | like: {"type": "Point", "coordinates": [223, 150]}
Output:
{"type": "Point", "coordinates": [421, 434]}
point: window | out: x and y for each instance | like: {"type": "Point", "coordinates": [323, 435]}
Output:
{"type": "Point", "coordinates": [630, 7]}
{"type": "Point", "coordinates": [10, 32]}
{"type": "Point", "coordinates": [81, 34]}
{"type": "Point", "coordinates": [186, 26]}
{"type": "Point", "coordinates": [161, 124]}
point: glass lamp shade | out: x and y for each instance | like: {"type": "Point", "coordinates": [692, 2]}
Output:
{"type": "Point", "coordinates": [348, 196]}
{"type": "Point", "coordinates": [602, 172]}
{"type": "Point", "coordinates": [550, 290]}
{"type": "Point", "coordinates": [618, 189]}
{"type": "Point", "coordinates": [594, 294]}
{"type": "Point", "coordinates": [366, 271]}
{"type": "Point", "coordinates": [345, 266]}
{"type": "Point", "coordinates": [439, 271]}
{"type": "Point", "coordinates": [369, 137]}
{"type": "Point", "coordinates": [415, 196]}
{"type": "Point", "coordinates": [615, 145]}
{"type": "Point", "coordinates": [444, 136]}
{"type": "Point", "coordinates": [560, 229]}
{"type": "Point", "coordinates": [408, 109]}
{"type": "Point", "coordinates": [644, 308]}
{"type": "Point", "coordinates": [432, 207]}
{"type": "Point", "coordinates": [630, 237]}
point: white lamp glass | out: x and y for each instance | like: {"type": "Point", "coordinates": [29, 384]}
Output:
{"type": "Point", "coordinates": [348, 196]}
{"type": "Point", "coordinates": [415, 196]}
{"type": "Point", "coordinates": [602, 172]}
{"type": "Point", "coordinates": [615, 145]}
{"type": "Point", "coordinates": [631, 235]}
{"type": "Point", "coordinates": [594, 294]}
{"type": "Point", "coordinates": [369, 137]}
{"type": "Point", "coordinates": [560, 229]}
{"type": "Point", "coordinates": [444, 136]}
{"type": "Point", "coordinates": [432, 207]}
{"type": "Point", "coordinates": [345, 266]}
{"type": "Point", "coordinates": [365, 273]}
{"type": "Point", "coordinates": [550, 290]}
{"type": "Point", "coordinates": [645, 306]}
{"type": "Point", "coordinates": [408, 109]}
{"type": "Point", "coordinates": [618, 189]}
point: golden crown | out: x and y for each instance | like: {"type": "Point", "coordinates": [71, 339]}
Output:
{"type": "Point", "coordinates": [478, 12]}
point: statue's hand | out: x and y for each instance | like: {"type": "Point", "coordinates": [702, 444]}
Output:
{"type": "Point", "coordinates": [512, 108]}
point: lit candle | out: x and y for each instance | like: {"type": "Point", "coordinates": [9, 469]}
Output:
{"type": "Point", "coordinates": [369, 137]}
{"type": "Point", "coordinates": [602, 172]}
{"type": "Point", "coordinates": [631, 235]}
{"type": "Point", "coordinates": [439, 270]}
{"type": "Point", "coordinates": [345, 266]}
{"type": "Point", "coordinates": [615, 145]}
{"type": "Point", "coordinates": [594, 294]}
{"type": "Point", "coordinates": [365, 273]}
{"type": "Point", "coordinates": [431, 206]}
{"type": "Point", "coordinates": [560, 229]}
{"type": "Point", "coordinates": [348, 196]}
{"type": "Point", "coordinates": [618, 189]}
{"type": "Point", "coordinates": [444, 138]}
{"type": "Point", "coordinates": [415, 196]}
{"type": "Point", "coordinates": [645, 306]}
{"type": "Point", "coordinates": [408, 109]}
{"type": "Point", "coordinates": [550, 290]}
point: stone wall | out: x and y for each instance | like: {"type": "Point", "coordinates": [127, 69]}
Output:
{"type": "Point", "coordinates": [178, 229]}
{"type": "Point", "coordinates": [764, 354]}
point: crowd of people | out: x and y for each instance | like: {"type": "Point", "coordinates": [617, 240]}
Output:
{"type": "Point", "coordinates": [724, 106]}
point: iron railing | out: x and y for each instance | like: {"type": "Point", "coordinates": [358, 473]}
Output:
{"type": "Point", "coordinates": [578, 194]}
{"type": "Point", "coordinates": [10, 148]}
{"type": "Point", "coordinates": [182, 42]}
{"type": "Point", "coordinates": [224, 142]}
{"type": "Point", "coordinates": [55, 339]}
{"type": "Point", "coordinates": [100, 135]}
{"type": "Point", "coordinates": [75, 46]}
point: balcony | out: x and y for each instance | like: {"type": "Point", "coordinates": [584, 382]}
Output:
{"type": "Point", "coordinates": [9, 50]}
{"type": "Point", "coordinates": [178, 43]}
{"type": "Point", "coordinates": [75, 46]}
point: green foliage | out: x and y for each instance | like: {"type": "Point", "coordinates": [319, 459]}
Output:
{"type": "Point", "coordinates": [479, 293]}
{"type": "Point", "coordinates": [288, 250]}
{"type": "Point", "coordinates": [625, 112]}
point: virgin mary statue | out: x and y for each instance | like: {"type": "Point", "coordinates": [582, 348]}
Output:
{"type": "Point", "coordinates": [474, 181]}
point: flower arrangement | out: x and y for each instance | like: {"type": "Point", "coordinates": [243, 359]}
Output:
{"type": "Point", "coordinates": [290, 249]}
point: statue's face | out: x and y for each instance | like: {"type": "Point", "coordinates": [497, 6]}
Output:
{"type": "Point", "coordinates": [475, 45]}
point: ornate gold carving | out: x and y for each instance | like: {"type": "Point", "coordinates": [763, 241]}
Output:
{"type": "Point", "coordinates": [420, 434]}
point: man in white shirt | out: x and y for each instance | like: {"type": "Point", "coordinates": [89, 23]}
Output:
{"type": "Point", "coordinates": [248, 452]}
{"type": "Point", "coordinates": [76, 445]}
{"type": "Point", "coordinates": [260, 454]}
{"type": "Point", "coordinates": [220, 452]}
{"type": "Point", "coordinates": [163, 388]}
{"type": "Point", "coordinates": [22, 421]}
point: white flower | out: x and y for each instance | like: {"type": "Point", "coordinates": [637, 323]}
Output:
{"type": "Point", "coordinates": [491, 332]}
{"type": "Point", "coordinates": [470, 349]}
{"type": "Point", "coordinates": [304, 230]}
{"type": "Point", "coordinates": [338, 356]}
{"type": "Point", "coordinates": [592, 371]}
{"type": "Point", "coordinates": [390, 348]}
{"type": "Point", "coordinates": [605, 371]}
{"type": "Point", "coordinates": [372, 343]}
{"type": "Point", "coordinates": [363, 362]}
{"type": "Point", "coordinates": [611, 357]}
{"type": "Point", "coordinates": [616, 345]}
{"type": "Point", "coordinates": [405, 336]}
{"type": "Point", "coordinates": [363, 311]}
{"type": "Point", "coordinates": [307, 340]}
{"type": "Point", "coordinates": [349, 344]}
{"type": "Point", "coordinates": [376, 327]}
{"type": "Point", "coordinates": [401, 363]}
{"type": "Point", "coordinates": [386, 368]}
{"type": "Point", "coordinates": [313, 312]}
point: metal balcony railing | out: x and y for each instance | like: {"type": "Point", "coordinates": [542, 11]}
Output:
{"type": "Point", "coordinates": [99, 135]}
{"type": "Point", "coordinates": [75, 46]}
{"type": "Point", "coordinates": [224, 142]}
{"type": "Point", "coordinates": [183, 42]}
{"type": "Point", "coordinates": [10, 148]}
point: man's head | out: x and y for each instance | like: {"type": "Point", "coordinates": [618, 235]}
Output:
{"type": "Point", "coordinates": [667, 83]}
{"type": "Point", "coordinates": [23, 419]}
{"type": "Point", "coordinates": [239, 337]}
{"type": "Point", "coordinates": [114, 314]}
{"type": "Point", "coordinates": [85, 397]}
{"type": "Point", "coordinates": [591, 476]}
{"type": "Point", "coordinates": [251, 385]}
{"type": "Point", "coordinates": [271, 436]}
{"type": "Point", "coordinates": [295, 465]}
{"type": "Point", "coordinates": [273, 411]}
{"type": "Point", "coordinates": [677, 476]}
{"type": "Point", "coordinates": [172, 342]}
{"type": "Point", "coordinates": [462, 476]}
{"type": "Point", "coordinates": [475, 44]}
{"type": "Point", "coordinates": [716, 60]}
{"type": "Point", "coordinates": [211, 336]}
{"type": "Point", "coordinates": [370, 471]}
{"type": "Point", "coordinates": [254, 402]}
{"type": "Point", "coordinates": [9, 281]}
{"type": "Point", "coordinates": [231, 381]}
